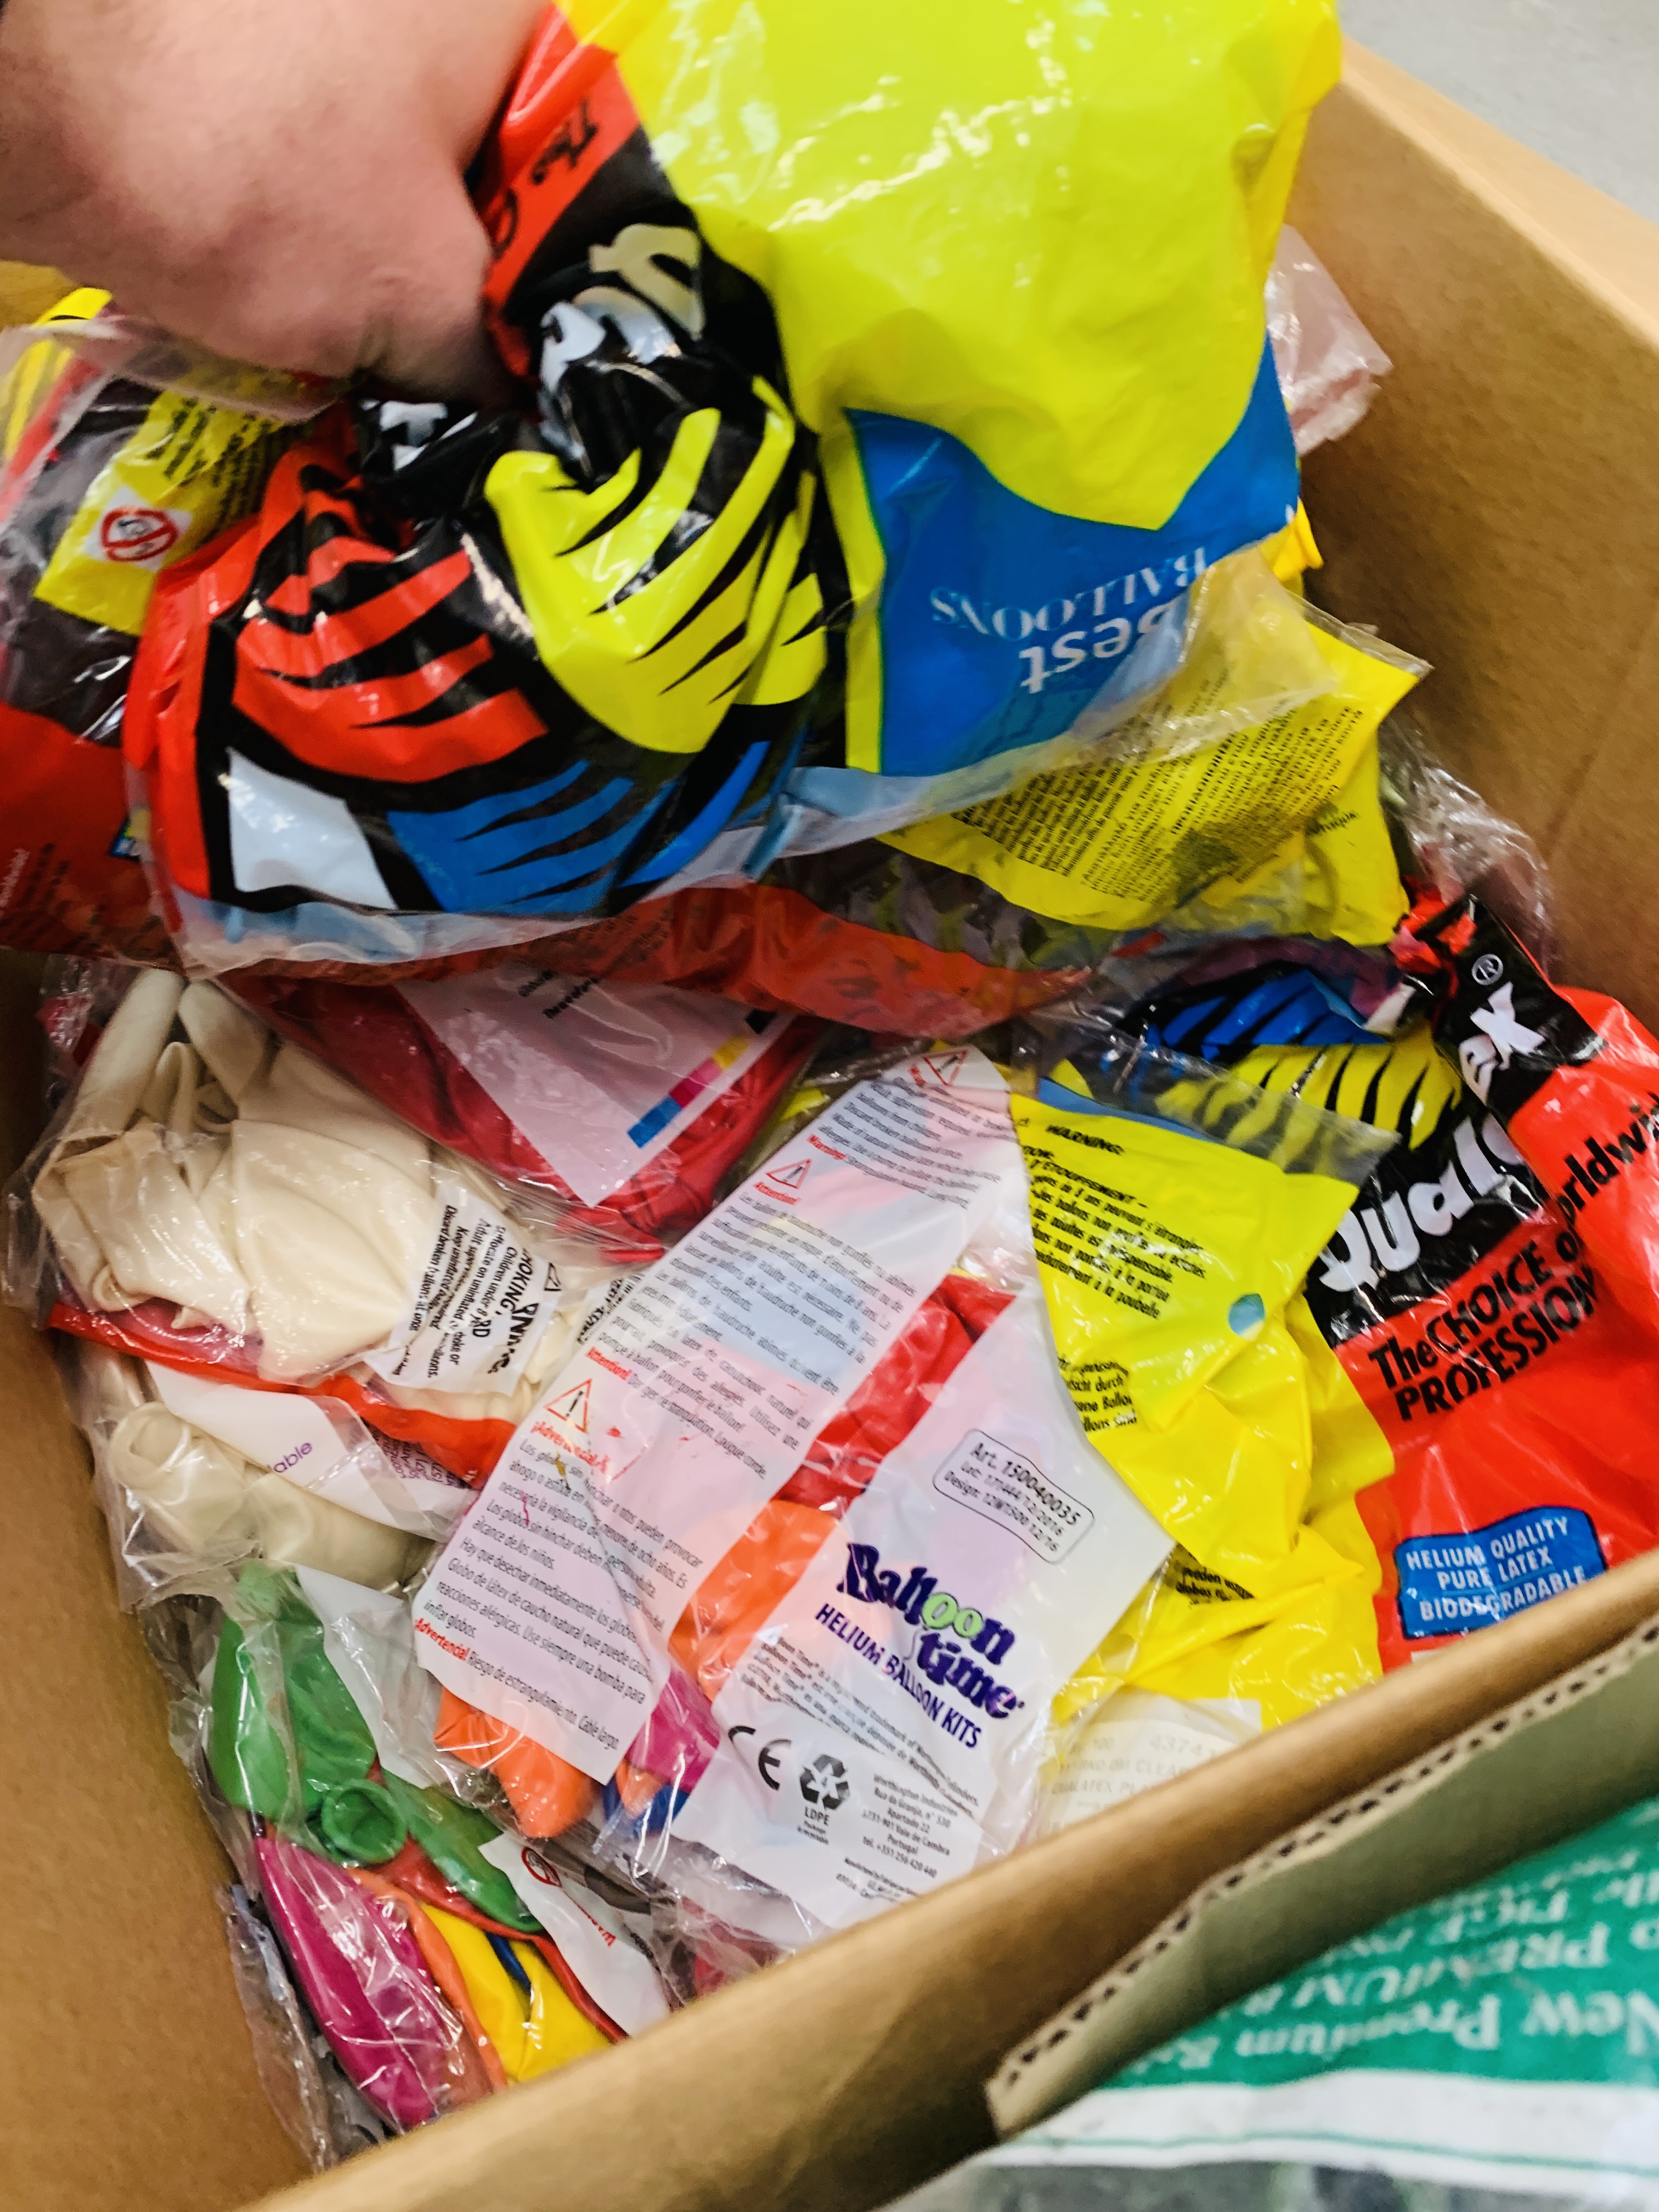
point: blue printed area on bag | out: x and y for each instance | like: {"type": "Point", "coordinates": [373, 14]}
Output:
{"type": "Point", "coordinates": [1449, 1584]}
{"type": "Point", "coordinates": [999, 619]}
{"type": "Point", "coordinates": [530, 851]}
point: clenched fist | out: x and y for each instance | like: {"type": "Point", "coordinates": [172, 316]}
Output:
{"type": "Point", "coordinates": [280, 180]}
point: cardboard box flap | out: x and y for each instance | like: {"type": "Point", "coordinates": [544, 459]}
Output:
{"type": "Point", "coordinates": [111, 1929]}
{"type": "Point", "coordinates": [1541, 1769]}
{"type": "Point", "coordinates": [1498, 512]}
{"type": "Point", "coordinates": [855, 2072]}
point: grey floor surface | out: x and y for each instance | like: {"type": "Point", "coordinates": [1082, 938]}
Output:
{"type": "Point", "coordinates": [1576, 79]}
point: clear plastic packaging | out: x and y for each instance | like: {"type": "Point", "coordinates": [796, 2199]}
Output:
{"type": "Point", "coordinates": [867, 935]}
{"type": "Point", "coordinates": [141, 352]}
{"type": "Point", "coordinates": [1275, 827]}
{"type": "Point", "coordinates": [1132, 1741]}
{"type": "Point", "coordinates": [1232, 652]}
{"type": "Point", "coordinates": [1223, 995]}
{"type": "Point", "coordinates": [717, 661]}
{"type": "Point", "coordinates": [369, 1640]}
{"type": "Point", "coordinates": [613, 1113]}
{"type": "Point", "coordinates": [410, 1919]}
{"type": "Point", "coordinates": [890, 1298]}
{"type": "Point", "coordinates": [1329, 362]}
{"type": "Point", "coordinates": [194, 1476]}
{"type": "Point", "coordinates": [961, 924]}
{"type": "Point", "coordinates": [864, 935]}
{"type": "Point", "coordinates": [402, 2046]}
{"type": "Point", "coordinates": [1246, 657]}
{"type": "Point", "coordinates": [1006, 2185]}
{"type": "Point", "coordinates": [845, 1058]}
{"type": "Point", "coordinates": [105, 480]}
{"type": "Point", "coordinates": [1232, 996]}
{"type": "Point", "coordinates": [389, 1970]}
{"type": "Point", "coordinates": [1455, 842]}
{"type": "Point", "coordinates": [214, 1198]}
{"type": "Point", "coordinates": [77, 1000]}
{"type": "Point", "coordinates": [322, 2113]}
{"type": "Point", "coordinates": [782, 1683]}
{"type": "Point", "coordinates": [1113, 1072]}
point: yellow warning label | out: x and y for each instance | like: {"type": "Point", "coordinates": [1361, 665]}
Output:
{"type": "Point", "coordinates": [184, 474]}
{"type": "Point", "coordinates": [1119, 844]}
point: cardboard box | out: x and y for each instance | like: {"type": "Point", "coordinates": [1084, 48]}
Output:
{"type": "Point", "coordinates": [1550, 1764]}
{"type": "Point", "coordinates": [1498, 512]}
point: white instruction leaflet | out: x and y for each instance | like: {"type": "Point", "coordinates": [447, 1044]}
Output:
{"type": "Point", "coordinates": [599, 1077]}
{"type": "Point", "coordinates": [697, 1398]}
{"type": "Point", "coordinates": [593, 1939]}
{"type": "Point", "coordinates": [885, 1730]}
{"type": "Point", "coordinates": [480, 1307]}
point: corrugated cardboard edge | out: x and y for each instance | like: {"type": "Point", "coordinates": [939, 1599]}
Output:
{"type": "Point", "coordinates": [1089, 2039]}
{"type": "Point", "coordinates": [855, 2071]}
{"type": "Point", "coordinates": [1614, 251]}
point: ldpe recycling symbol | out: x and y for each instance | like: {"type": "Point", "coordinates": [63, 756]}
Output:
{"type": "Point", "coordinates": [823, 1782]}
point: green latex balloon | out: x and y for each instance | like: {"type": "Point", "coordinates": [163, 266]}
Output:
{"type": "Point", "coordinates": [359, 1825]}
{"type": "Point", "coordinates": [247, 1750]}
{"type": "Point", "coordinates": [357, 1820]}
{"type": "Point", "coordinates": [451, 1835]}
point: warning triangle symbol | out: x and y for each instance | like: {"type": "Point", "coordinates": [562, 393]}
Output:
{"type": "Point", "coordinates": [791, 1178]}
{"type": "Point", "coordinates": [945, 1067]}
{"type": "Point", "coordinates": [572, 1408]}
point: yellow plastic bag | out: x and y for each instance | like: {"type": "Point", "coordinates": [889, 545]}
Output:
{"type": "Point", "coordinates": [1277, 825]}
{"type": "Point", "coordinates": [1294, 550]}
{"type": "Point", "coordinates": [173, 472]}
{"type": "Point", "coordinates": [1167, 1260]}
{"type": "Point", "coordinates": [1192, 1636]}
{"type": "Point", "coordinates": [1013, 261]}
{"type": "Point", "coordinates": [1194, 1669]}
{"type": "Point", "coordinates": [187, 470]}
{"type": "Point", "coordinates": [1199, 1664]}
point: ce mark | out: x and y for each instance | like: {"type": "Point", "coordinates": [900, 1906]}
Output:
{"type": "Point", "coordinates": [767, 1759]}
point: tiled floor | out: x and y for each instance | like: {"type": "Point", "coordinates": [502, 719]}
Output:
{"type": "Point", "coordinates": [1577, 79]}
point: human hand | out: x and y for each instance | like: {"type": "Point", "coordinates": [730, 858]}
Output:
{"type": "Point", "coordinates": [280, 183]}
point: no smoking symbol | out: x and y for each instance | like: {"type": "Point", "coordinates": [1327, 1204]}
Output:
{"type": "Point", "coordinates": [136, 533]}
